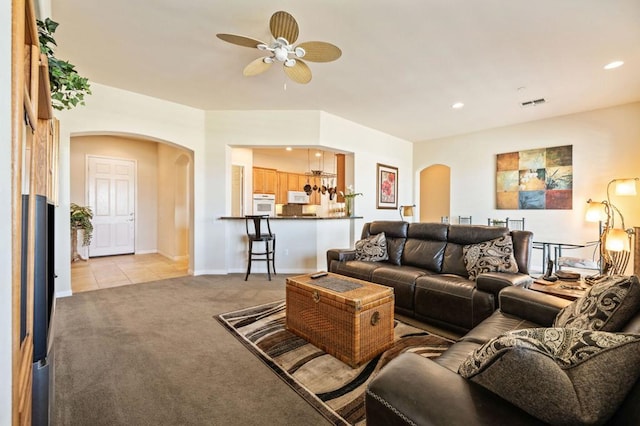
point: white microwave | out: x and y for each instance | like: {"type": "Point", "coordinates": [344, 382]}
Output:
{"type": "Point", "coordinates": [297, 197]}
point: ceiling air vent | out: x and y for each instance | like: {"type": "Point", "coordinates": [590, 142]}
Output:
{"type": "Point", "coordinates": [533, 103]}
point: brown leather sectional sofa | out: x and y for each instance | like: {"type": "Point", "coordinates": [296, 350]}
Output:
{"type": "Point", "coordinates": [427, 272]}
{"type": "Point", "coordinates": [420, 391]}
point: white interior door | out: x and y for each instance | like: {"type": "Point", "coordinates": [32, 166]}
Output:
{"type": "Point", "coordinates": [112, 198]}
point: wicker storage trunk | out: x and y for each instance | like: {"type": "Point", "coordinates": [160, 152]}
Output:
{"type": "Point", "coordinates": [352, 324]}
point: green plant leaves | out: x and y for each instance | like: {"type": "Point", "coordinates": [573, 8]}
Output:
{"type": "Point", "coordinates": [68, 88]}
{"type": "Point", "coordinates": [81, 219]}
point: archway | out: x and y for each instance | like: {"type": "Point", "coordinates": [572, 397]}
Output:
{"type": "Point", "coordinates": [164, 217]}
{"type": "Point", "coordinates": [435, 187]}
{"type": "Point", "coordinates": [182, 207]}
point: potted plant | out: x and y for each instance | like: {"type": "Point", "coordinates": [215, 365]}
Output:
{"type": "Point", "coordinates": [68, 88]}
{"type": "Point", "coordinates": [348, 200]}
{"type": "Point", "coordinates": [80, 220]}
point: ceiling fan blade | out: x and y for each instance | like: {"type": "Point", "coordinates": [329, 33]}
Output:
{"type": "Point", "coordinates": [300, 72]}
{"type": "Point", "coordinates": [255, 67]}
{"type": "Point", "coordinates": [284, 25]}
{"type": "Point", "coordinates": [240, 40]}
{"type": "Point", "coordinates": [320, 51]}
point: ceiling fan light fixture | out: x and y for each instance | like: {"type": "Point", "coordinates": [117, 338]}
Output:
{"type": "Point", "coordinates": [284, 29]}
{"type": "Point", "coordinates": [281, 54]}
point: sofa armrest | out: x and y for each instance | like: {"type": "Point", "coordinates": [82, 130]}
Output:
{"type": "Point", "coordinates": [341, 255]}
{"type": "Point", "coordinates": [530, 305]}
{"type": "Point", "coordinates": [493, 282]}
{"type": "Point", "coordinates": [412, 389]}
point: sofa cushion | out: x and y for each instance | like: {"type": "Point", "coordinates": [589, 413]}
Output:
{"type": "Point", "coordinates": [402, 279]}
{"type": "Point", "coordinates": [490, 256]}
{"type": "Point", "coordinates": [606, 306]}
{"type": "Point", "coordinates": [355, 268]}
{"type": "Point", "coordinates": [570, 376]}
{"type": "Point", "coordinates": [372, 249]}
{"type": "Point", "coordinates": [451, 301]}
{"type": "Point", "coordinates": [423, 254]}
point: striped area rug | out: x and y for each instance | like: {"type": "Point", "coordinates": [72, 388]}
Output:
{"type": "Point", "coordinates": [331, 386]}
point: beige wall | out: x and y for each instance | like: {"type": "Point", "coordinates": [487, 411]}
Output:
{"type": "Point", "coordinates": [435, 193]}
{"type": "Point", "coordinates": [145, 153]}
{"type": "Point", "coordinates": [606, 145]}
{"type": "Point", "coordinates": [174, 201]}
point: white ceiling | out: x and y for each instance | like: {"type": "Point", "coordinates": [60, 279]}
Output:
{"type": "Point", "coordinates": [404, 62]}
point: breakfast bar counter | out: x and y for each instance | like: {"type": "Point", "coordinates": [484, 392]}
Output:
{"type": "Point", "coordinates": [301, 242]}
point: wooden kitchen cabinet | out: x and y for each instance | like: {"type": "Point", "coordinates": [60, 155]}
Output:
{"type": "Point", "coordinates": [283, 187]}
{"type": "Point", "coordinates": [297, 182]}
{"type": "Point", "coordinates": [265, 181]}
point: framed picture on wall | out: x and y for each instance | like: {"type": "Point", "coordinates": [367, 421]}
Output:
{"type": "Point", "coordinates": [387, 186]}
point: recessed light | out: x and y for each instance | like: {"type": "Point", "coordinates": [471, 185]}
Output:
{"type": "Point", "coordinates": [457, 105]}
{"type": "Point", "coordinates": [614, 64]}
{"type": "Point", "coordinates": [318, 154]}
{"type": "Point", "coordinates": [289, 148]}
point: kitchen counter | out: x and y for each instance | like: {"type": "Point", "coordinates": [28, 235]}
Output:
{"type": "Point", "coordinates": [302, 242]}
{"type": "Point", "coordinates": [303, 217]}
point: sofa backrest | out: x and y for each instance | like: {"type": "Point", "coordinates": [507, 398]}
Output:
{"type": "Point", "coordinates": [438, 246]}
{"type": "Point", "coordinates": [395, 233]}
{"type": "Point", "coordinates": [425, 245]}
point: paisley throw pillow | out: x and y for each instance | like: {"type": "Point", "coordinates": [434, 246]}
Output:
{"type": "Point", "coordinates": [559, 375]}
{"type": "Point", "coordinates": [606, 306]}
{"type": "Point", "coordinates": [490, 256]}
{"type": "Point", "coordinates": [372, 249]}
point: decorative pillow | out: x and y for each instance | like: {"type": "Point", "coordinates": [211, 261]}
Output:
{"type": "Point", "coordinates": [559, 375]}
{"type": "Point", "coordinates": [490, 256]}
{"type": "Point", "coordinates": [606, 306]}
{"type": "Point", "coordinates": [372, 249]}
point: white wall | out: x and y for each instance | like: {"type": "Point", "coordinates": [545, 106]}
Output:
{"type": "Point", "coordinates": [317, 128]}
{"type": "Point", "coordinates": [370, 147]}
{"type": "Point", "coordinates": [606, 145]}
{"type": "Point", "coordinates": [6, 293]}
{"type": "Point", "coordinates": [113, 111]}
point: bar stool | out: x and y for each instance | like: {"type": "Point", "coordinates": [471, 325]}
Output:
{"type": "Point", "coordinates": [257, 233]}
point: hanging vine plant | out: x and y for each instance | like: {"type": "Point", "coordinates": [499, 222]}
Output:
{"type": "Point", "coordinates": [68, 88]}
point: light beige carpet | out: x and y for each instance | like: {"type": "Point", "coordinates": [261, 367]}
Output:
{"type": "Point", "coordinates": [153, 354]}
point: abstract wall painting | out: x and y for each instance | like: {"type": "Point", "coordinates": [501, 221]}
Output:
{"type": "Point", "coordinates": [535, 179]}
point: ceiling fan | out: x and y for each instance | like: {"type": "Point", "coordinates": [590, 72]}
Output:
{"type": "Point", "coordinates": [284, 30]}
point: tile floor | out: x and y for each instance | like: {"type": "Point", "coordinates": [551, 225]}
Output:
{"type": "Point", "coordinates": [114, 271]}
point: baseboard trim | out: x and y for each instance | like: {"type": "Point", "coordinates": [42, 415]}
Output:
{"type": "Point", "coordinates": [65, 293]}
{"type": "Point", "coordinates": [146, 251]}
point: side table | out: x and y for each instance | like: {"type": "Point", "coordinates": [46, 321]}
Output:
{"type": "Point", "coordinates": [570, 290]}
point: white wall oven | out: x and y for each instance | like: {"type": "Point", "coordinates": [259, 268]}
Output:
{"type": "Point", "coordinates": [264, 204]}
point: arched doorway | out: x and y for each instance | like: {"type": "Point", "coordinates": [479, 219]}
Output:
{"type": "Point", "coordinates": [435, 186]}
{"type": "Point", "coordinates": [182, 207]}
{"type": "Point", "coordinates": [164, 209]}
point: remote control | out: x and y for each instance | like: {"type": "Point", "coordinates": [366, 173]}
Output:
{"type": "Point", "coordinates": [319, 274]}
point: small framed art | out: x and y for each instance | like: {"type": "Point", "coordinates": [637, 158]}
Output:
{"type": "Point", "coordinates": [387, 186]}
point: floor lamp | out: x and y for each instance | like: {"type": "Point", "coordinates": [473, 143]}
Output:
{"type": "Point", "coordinates": [406, 211]}
{"type": "Point", "coordinates": [614, 240]}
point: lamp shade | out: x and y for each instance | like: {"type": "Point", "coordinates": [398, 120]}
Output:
{"type": "Point", "coordinates": [617, 240]}
{"type": "Point", "coordinates": [625, 186]}
{"type": "Point", "coordinates": [407, 211]}
{"type": "Point", "coordinates": [596, 212]}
